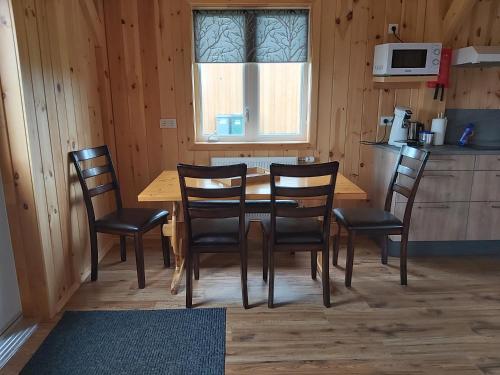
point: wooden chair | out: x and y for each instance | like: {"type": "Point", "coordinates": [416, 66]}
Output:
{"type": "Point", "coordinates": [298, 228]}
{"type": "Point", "coordinates": [124, 222]}
{"type": "Point", "coordinates": [213, 228]}
{"type": "Point", "coordinates": [376, 222]}
{"type": "Point", "coordinates": [255, 210]}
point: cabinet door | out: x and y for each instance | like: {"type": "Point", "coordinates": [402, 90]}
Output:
{"type": "Point", "coordinates": [484, 221]}
{"type": "Point", "coordinates": [442, 186]}
{"type": "Point", "coordinates": [487, 163]}
{"type": "Point", "coordinates": [450, 163]}
{"type": "Point", "coordinates": [486, 186]}
{"type": "Point", "coordinates": [436, 221]}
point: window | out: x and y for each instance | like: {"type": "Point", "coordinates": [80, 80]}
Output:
{"type": "Point", "coordinates": [251, 75]}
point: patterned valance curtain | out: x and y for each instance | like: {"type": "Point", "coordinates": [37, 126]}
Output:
{"type": "Point", "coordinates": [240, 36]}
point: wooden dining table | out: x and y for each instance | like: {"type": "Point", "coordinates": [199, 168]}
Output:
{"type": "Point", "coordinates": [166, 188]}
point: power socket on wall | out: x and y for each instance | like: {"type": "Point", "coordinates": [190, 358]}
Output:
{"type": "Point", "coordinates": [386, 120]}
{"type": "Point", "coordinates": [390, 28]}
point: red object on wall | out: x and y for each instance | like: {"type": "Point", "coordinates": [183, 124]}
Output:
{"type": "Point", "coordinates": [443, 79]}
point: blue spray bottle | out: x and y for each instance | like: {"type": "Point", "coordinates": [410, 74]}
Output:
{"type": "Point", "coordinates": [468, 132]}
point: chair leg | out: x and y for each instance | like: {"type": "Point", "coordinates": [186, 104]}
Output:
{"type": "Point", "coordinates": [385, 249]}
{"type": "Point", "coordinates": [270, 298]}
{"type": "Point", "coordinates": [165, 247]}
{"type": "Point", "coordinates": [325, 276]}
{"type": "Point", "coordinates": [350, 259]}
{"type": "Point", "coordinates": [189, 278]}
{"type": "Point", "coordinates": [139, 260]}
{"type": "Point", "coordinates": [403, 259]}
{"type": "Point", "coordinates": [336, 247]}
{"type": "Point", "coordinates": [196, 266]}
{"type": "Point", "coordinates": [265, 257]}
{"type": "Point", "coordinates": [94, 254]}
{"type": "Point", "coordinates": [244, 272]}
{"type": "Point", "coordinates": [123, 248]}
{"type": "Point", "coordinates": [314, 264]}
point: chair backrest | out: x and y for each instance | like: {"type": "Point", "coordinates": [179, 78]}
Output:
{"type": "Point", "coordinates": [88, 154]}
{"type": "Point", "coordinates": [408, 172]}
{"type": "Point", "coordinates": [190, 193]}
{"type": "Point", "coordinates": [318, 192]}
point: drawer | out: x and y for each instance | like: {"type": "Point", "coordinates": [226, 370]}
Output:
{"type": "Point", "coordinates": [441, 186]}
{"type": "Point", "coordinates": [486, 186]}
{"type": "Point", "coordinates": [487, 163]}
{"type": "Point", "coordinates": [450, 163]}
{"type": "Point", "coordinates": [484, 221]}
{"type": "Point", "coordinates": [436, 221]}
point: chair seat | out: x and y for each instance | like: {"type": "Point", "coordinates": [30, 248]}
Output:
{"type": "Point", "coordinates": [213, 232]}
{"type": "Point", "coordinates": [251, 206]}
{"type": "Point", "coordinates": [367, 219]}
{"type": "Point", "coordinates": [130, 219]}
{"type": "Point", "coordinates": [295, 230]}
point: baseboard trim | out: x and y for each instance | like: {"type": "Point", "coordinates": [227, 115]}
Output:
{"type": "Point", "coordinates": [14, 337]}
{"type": "Point", "coordinates": [446, 248]}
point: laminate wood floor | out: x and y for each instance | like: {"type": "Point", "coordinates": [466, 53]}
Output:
{"type": "Point", "coordinates": [446, 321]}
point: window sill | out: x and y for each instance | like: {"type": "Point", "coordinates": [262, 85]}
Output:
{"type": "Point", "coordinates": [227, 146]}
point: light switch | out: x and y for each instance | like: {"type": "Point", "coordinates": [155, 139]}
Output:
{"type": "Point", "coordinates": [168, 123]}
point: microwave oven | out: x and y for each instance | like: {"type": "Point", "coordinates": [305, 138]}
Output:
{"type": "Point", "coordinates": [401, 59]}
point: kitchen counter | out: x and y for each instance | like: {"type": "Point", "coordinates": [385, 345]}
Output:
{"type": "Point", "coordinates": [445, 150]}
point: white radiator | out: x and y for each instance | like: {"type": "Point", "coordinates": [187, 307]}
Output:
{"type": "Point", "coordinates": [257, 161]}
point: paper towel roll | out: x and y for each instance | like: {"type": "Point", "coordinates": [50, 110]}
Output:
{"type": "Point", "coordinates": [438, 127]}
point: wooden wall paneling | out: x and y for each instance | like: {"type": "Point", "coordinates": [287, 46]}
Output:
{"type": "Point", "coordinates": [68, 133]}
{"type": "Point", "coordinates": [356, 87]}
{"type": "Point", "coordinates": [341, 62]}
{"type": "Point", "coordinates": [149, 64]}
{"type": "Point", "coordinates": [60, 208]}
{"type": "Point", "coordinates": [116, 57]}
{"type": "Point", "coordinates": [41, 157]}
{"type": "Point", "coordinates": [165, 46]}
{"type": "Point", "coordinates": [17, 174]}
{"type": "Point", "coordinates": [371, 96]}
{"type": "Point", "coordinates": [135, 94]}
{"type": "Point", "coordinates": [326, 83]}
{"type": "Point", "coordinates": [181, 23]}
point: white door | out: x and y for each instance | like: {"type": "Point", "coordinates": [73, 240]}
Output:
{"type": "Point", "coordinates": [10, 304]}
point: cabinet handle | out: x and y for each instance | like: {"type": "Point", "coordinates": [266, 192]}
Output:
{"type": "Point", "coordinates": [439, 175]}
{"type": "Point", "coordinates": [442, 206]}
{"type": "Point", "coordinates": [495, 206]}
{"type": "Point", "coordinates": [441, 159]}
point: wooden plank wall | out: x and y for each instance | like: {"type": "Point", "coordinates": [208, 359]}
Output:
{"type": "Point", "coordinates": [62, 112]}
{"type": "Point", "coordinates": [472, 87]}
{"type": "Point", "coordinates": [149, 54]}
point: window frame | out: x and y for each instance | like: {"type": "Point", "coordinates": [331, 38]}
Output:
{"type": "Point", "coordinates": [251, 109]}
{"type": "Point", "coordinates": [313, 65]}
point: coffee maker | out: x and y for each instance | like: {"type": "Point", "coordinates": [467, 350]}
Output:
{"type": "Point", "coordinates": [399, 129]}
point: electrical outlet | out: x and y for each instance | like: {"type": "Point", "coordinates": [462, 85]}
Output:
{"type": "Point", "coordinates": [168, 123]}
{"type": "Point", "coordinates": [385, 120]}
{"type": "Point", "coordinates": [389, 28]}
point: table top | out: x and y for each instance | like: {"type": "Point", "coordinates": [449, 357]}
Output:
{"type": "Point", "coordinates": [166, 188]}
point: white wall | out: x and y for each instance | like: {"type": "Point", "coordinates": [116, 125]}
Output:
{"type": "Point", "coordinates": [10, 303]}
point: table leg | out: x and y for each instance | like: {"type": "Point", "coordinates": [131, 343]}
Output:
{"type": "Point", "coordinates": [178, 249]}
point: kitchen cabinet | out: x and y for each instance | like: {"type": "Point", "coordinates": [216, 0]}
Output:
{"type": "Point", "coordinates": [458, 200]}
{"type": "Point", "coordinates": [436, 221]}
{"type": "Point", "coordinates": [486, 186]}
{"type": "Point", "coordinates": [442, 186]}
{"type": "Point", "coordinates": [484, 221]}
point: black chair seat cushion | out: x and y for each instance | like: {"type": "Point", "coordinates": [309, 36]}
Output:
{"type": "Point", "coordinates": [295, 230]}
{"type": "Point", "coordinates": [130, 219]}
{"type": "Point", "coordinates": [251, 206]}
{"type": "Point", "coordinates": [213, 232]}
{"type": "Point", "coordinates": [367, 219]}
